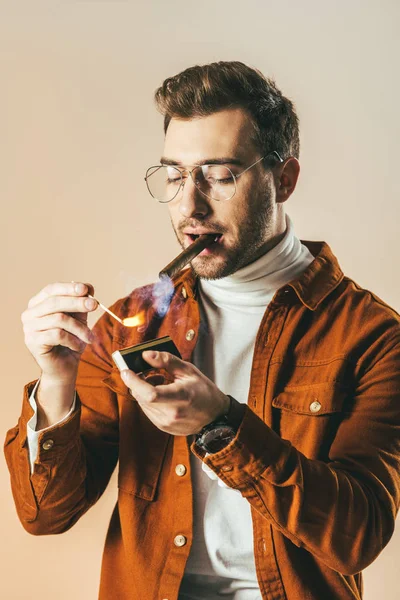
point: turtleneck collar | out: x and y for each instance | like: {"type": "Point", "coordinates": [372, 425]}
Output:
{"type": "Point", "coordinates": [254, 283]}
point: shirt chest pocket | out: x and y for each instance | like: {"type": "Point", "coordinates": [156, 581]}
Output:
{"type": "Point", "coordinates": [309, 417]}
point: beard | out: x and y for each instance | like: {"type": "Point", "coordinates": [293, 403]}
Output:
{"type": "Point", "coordinates": [254, 233]}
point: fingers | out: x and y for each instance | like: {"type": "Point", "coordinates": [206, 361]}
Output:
{"type": "Point", "coordinates": [58, 313]}
{"type": "Point", "coordinates": [145, 392]}
{"type": "Point", "coordinates": [82, 317]}
{"type": "Point", "coordinates": [90, 288]}
{"type": "Point", "coordinates": [61, 321]}
{"type": "Point", "coordinates": [65, 304]}
{"type": "Point", "coordinates": [139, 388]}
{"type": "Point", "coordinates": [47, 340]}
{"type": "Point", "coordinates": [171, 363]}
{"type": "Point", "coordinates": [61, 289]}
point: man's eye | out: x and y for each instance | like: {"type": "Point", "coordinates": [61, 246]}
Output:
{"type": "Point", "coordinates": [225, 180]}
{"type": "Point", "coordinates": [217, 175]}
{"type": "Point", "coordinates": [173, 180]}
{"type": "Point", "coordinates": [218, 181]}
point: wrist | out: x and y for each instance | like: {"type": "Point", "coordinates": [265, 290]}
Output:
{"type": "Point", "coordinates": [235, 412]}
{"type": "Point", "coordinates": [54, 400]}
{"type": "Point", "coordinates": [219, 433]}
{"type": "Point", "coordinates": [54, 382]}
{"type": "Point", "coordinates": [226, 405]}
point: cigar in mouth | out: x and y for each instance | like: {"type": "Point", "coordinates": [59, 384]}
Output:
{"type": "Point", "coordinates": [188, 254]}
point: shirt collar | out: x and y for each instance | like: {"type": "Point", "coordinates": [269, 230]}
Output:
{"type": "Point", "coordinates": [320, 278]}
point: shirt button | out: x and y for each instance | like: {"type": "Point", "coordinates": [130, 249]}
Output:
{"type": "Point", "coordinates": [180, 470]}
{"type": "Point", "coordinates": [315, 406]}
{"type": "Point", "coordinates": [180, 540]}
{"type": "Point", "coordinates": [190, 335]}
{"type": "Point", "coordinates": [226, 468]}
{"type": "Point", "coordinates": [48, 444]}
{"type": "Point", "coordinates": [184, 292]}
{"type": "Point", "coordinates": [262, 545]}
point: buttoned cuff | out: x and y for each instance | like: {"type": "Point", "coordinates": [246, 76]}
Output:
{"type": "Point", "coordinates": [54, 440]}
{"type": "Point", "coordinates": [211, 475]}
{"type": "Point", "coordinates": [256, 449]}
{"type": "Point", "coordinates": [32, 433]}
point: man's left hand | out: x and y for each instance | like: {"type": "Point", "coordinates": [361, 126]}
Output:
{"type": "Point", "coordinates": [182, 407]}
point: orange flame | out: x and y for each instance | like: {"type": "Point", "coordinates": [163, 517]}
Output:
{"type": "Point", "coordinates": [135, 321]}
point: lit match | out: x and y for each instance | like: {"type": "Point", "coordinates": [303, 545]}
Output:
{"type": "Point", "coordinates": [188, 254]}
{"type": "Point", "coordinates": [128, 322]}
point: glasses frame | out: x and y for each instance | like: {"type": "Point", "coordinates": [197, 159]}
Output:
{"type": "Point", "coordinates": [181, 171]}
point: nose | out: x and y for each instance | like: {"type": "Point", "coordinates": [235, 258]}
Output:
{"type": "Point", "coordinates": [192, 202]}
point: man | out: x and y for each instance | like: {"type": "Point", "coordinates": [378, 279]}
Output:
{"type": "Point", "coordinates": [269, 466]}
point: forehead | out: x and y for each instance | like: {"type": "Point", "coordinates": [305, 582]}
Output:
{"type": "Point", "coordinates": [226, 133]}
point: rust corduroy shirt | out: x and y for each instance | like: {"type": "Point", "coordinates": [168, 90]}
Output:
{"type": "Point", "coordinates": [317, 454]}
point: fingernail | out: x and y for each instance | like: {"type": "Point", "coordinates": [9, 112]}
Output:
{"type": "Point", "coordinates": [152, 354]}
{"type": "Point", "coordinates": [90, 303]}
{"type": "Point", "coordinates": [80, 288]}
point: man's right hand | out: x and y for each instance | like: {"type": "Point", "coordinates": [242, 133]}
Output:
{"type": "Point", "coordinates": [56, 334]}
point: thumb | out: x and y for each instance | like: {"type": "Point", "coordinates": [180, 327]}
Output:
{"type": "Point", "coordinates": [167, 361]}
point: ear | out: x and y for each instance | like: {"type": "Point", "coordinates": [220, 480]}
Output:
{"type": "Point", "coordinates": [286, 179]}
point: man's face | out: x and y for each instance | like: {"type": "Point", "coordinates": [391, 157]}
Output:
{"type": "Point", "coordinates": [248, 220]}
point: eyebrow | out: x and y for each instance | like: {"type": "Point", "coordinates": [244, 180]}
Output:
{"type": "Point", "coordinates": [227, 160]}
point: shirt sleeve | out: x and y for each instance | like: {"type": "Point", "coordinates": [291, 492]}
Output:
{"type": "Point", "coordinates": [343, 509]}
{"type": "Point", "coordinates": [31, 431]}
{"type": "Point", "coordinates": [75, 458]}
{"type": "Point", "coordinates": [210, 473]}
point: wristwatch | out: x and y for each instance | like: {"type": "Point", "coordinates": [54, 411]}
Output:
{"type": "Point", "coordinates": [220, 432]}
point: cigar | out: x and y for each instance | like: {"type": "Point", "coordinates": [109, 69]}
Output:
{"type": "Point", "coordinates": [188, 254]}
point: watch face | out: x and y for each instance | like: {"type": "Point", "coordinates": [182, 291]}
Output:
{"type": "Point", "coordinates": [216, 439]}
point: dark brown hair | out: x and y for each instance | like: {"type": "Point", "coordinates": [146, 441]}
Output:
{"type": "Point", "coordinates": [202, 90]}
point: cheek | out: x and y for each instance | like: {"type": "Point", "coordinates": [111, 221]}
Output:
{"type": "Point", "coordinates": [239, 209]}
{"type": "Point", "coordinates": [227, 214]}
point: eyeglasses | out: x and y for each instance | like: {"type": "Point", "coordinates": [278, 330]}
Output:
{"type": "Point", "coordinates": [216, 182]}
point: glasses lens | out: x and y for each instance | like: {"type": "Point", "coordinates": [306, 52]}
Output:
{"type": "Point", "coordinates": [163, 182]}
{"type": "Point", "coordinates": [215, 181]}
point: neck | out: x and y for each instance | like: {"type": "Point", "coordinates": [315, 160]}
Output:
{"type": "Point", "coordinates": [269, 245]}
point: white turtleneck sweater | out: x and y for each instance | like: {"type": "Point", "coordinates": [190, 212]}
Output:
{"type": "Point", "coordinates": [221, 562]}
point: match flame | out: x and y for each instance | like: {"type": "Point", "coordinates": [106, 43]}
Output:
{"type": "Point", "coordinates": [135, 321]}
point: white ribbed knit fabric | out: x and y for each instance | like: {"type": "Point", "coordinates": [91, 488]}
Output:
{"type": "Point", "coordinates": [221, 561]}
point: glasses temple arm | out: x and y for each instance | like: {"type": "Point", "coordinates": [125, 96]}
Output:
{"type": "Point", "coordinates": [278, 156]}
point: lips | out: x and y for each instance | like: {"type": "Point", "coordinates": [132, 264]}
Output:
{"type": "Point", "coordinates": [192, 235]}
{"type": "Point", "coordinates": [211, 247]}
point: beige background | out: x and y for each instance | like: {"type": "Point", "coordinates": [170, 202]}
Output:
{"type": "Point", "coordinates": [78, 129]}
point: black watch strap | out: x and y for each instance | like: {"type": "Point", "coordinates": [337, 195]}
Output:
{"type": "Point", "coordinates": [225, 425]}
{"type": "Point", "coordinates": [235, 413]}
